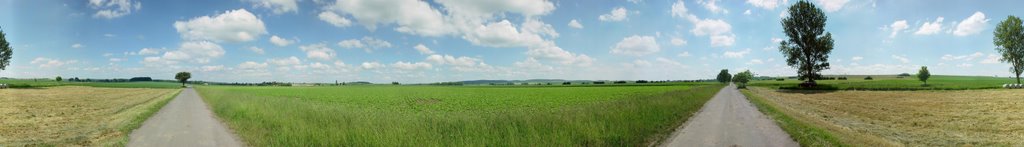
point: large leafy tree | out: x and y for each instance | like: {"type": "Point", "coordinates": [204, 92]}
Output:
{"type": "Point", "coordinates": [5, 51]}
{"type": "Point", "coordinates": [724, 76]}
{"type": "Point", "coordinates": [923, 74]}
{"type": "Point", "coordinates": [808, 45]}
{"type": "Point", "coordinates": [743, 78]}
{"type": "Point", "coordinates": [183, 77]}
{"type": "Point", "coordinates": [1009, 41]}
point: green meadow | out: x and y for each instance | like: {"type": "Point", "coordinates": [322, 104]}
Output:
{"type": "Point", "coordinates": [29, 83]}
{"type": "Point", "coordinates": [385, 115]}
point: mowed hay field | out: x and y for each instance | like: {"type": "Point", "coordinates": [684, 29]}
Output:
{"type": "Point", "coordinates": [916, 118]}
{"type": "Point", "coordinates": [75, 115]}
{"type": "Point", "coordinates": [455, 116]}
{"type": "Point", "coordinates": [892, 82]}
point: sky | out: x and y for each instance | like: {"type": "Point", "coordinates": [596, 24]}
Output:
{"type": "Point", "coordinates": [452, 40]}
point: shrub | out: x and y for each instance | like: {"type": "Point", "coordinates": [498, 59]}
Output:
{"type": "Point", "coordinates": [868, 78]}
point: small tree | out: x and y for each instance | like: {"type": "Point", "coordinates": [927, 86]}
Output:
{"type": "Point", "coordinates": [724, 76]}
{"type": "Point", "coordinates": [923, 75]}
{"type": "Point", "coordinates": [808, 45]}
{"type": "Point", "coordinates": [743, 78]}
{"type": "Point", "coordinates": [1009, 41]}
{"type": "Point", "coordinates": [5, 51]}
{"type": "Point", "coordinates": [183, 77]}
{"type": "Point", "coordinates": [58, 79]}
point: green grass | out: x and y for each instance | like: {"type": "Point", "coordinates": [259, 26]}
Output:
{"type": "Point", "coordinates": [455, 116]}
{"type": "Point", "coordinates": [28, 83]}
{"type": "Point", "coordinates": [804, 133]}
{"type": "Point", "coordinates": [891, 82]}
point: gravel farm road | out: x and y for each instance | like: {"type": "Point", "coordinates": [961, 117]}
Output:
{"type": "Point", "coordinates": [184, 121]}
{"type": "Point", "coordinates": [729, 119]}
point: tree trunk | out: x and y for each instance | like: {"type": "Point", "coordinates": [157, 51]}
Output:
{"type": "Point", "coordinates": [1018, 78]}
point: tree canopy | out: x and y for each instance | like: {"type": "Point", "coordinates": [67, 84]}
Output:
{"type": "Point", "coordinates": [5, 51]}
{"type": "Point", "coordinates": [1009, 41]}
{"type": "Point", "coordinates": [743, 78]}
{"type": "Point", "coordinates": [724, 76]}
{"type": "Point", "coordinates": [808, 45]}
{"type": "Point", "coordinates": [923, 74]}
{"type": "Point", "coordinates": [183, 77]}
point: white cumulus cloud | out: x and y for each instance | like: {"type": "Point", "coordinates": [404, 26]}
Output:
{"type": "Point", "coordinates": [276, 6]}
{"type": "Point", "coordinates": [636, 45]}
{"type": "Point", "coordinates": [334, 19]}
{"type": "Point", "coordinates": [929, 28]}
{"type": "Point", "coordinates": [617, 14]}
{"type": "Point", "coordinates": [897, 27]}
{"type": "Point", "coordinates": [972, 25]}
{"type": "Point", "coordinates": [110, 9]}
{"type": "Point", "coordinates": [318, 51]}
{"type": "Point", "coordinates": [575, 24]}
{"type": "Point", "coordinates": [232, 26]}
{"type": "Point", "coordinates": [280, 41]}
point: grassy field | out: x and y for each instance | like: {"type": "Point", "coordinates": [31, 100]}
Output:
{"type": "Point", "coordinates": [916, 118]}
{"type": "Point", "coordinates": [26, 83]}
{"type": "Point", "coordinates": [455, 116]}
{"type": "Point", "coordinates": [75, 115]}
{"type": "Point", "coordinates": [891, 82]}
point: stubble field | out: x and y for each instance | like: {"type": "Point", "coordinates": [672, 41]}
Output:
{"type": "Point", "coordinates": [75, 115]}
{"type": "Point", "coordinates": [918, 118]}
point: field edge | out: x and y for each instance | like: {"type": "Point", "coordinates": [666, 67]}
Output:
{"type": "Point", "coordinates": [804, 133]}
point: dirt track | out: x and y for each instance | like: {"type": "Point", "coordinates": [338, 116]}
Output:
{"type": "Point", "coordinates": [185, 121]}
{"type": "Point", "coordinates": [728, 119]}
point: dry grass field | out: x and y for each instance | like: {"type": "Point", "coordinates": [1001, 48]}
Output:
{"type": "Point", "coordinates": [914, 118]}
{"type": "Point", "coordinates": [75, 115]}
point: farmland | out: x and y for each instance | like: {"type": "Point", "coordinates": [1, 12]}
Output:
{"type": "Point", "coordinates": [75, 115]}
{"type": "Point", "coordinates": [28, 83]}
{"type": "Point", "coordinates": [892, 118]}
{"type": "Point", "coordinates": [460, 116]}
{"type": "Point", "coordinates": [892, 82]}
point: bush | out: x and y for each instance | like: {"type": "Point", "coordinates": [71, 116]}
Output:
{"type": "Point", "coordinates": [780, 79]}
{"type": "Point", "coordinates": [868, 78]}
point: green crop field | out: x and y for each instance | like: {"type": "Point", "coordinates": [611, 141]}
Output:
{"type": "Point", "coordinates": [380, 115]}
{"type": "Point", "coordinates": [892, 82]}
{"type": "Point", "coordinates": [28, 83]}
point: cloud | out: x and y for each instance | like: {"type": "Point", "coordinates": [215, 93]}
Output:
{"type": "Point", "coordinates": [462, 63]}
{"type": "Point", "coordinates": [964, 65]}
{"type": "Point", "coordinates": [76, 45]}
{"type": "Point", "coordinates": [897, 27]}
{"type": "Point", "coordinates": [193, 51]}
{"type": "Point", "coordinates": [929, 28]}
{"type": "Point", "coordinates": [719, 31]}
{"type": "Point", "coordinates": [712, 6]}
{"type": "Point", "coordinates": [902, 59]}
{"type": "Point", "coordinates": [411, 66]}
{"type": "Point", "coordinates": [411, 16]}
{"type": "Point", "coordinates": [210, 68]}
{"type": "Point", "coordinates": [334, 19]}
{"type": "Point", "coordinates": [991, 59]}
{"type": "Point", "coordinates": [285, 61]}
{"type": "Point", "coordinates": [148, 51]}
{"type": "Point", "coordinates": [832, 5]}
{"type": "Point", "coordinates": [972, 25]}
{"type": "Point", "coordinates": [856, 58]}
{"type": "Point", "coordinates": [232, 26]}
{"type": "Point", "coordinates": [684, 54]}
{"type": "Point", "coordinates": [736, 54]}
{"type": "Point", "coordinates": [679, 9]}
{"type": "Point", "coordinates": [48, 63]}
{"type": "Point", "coordinates": [969, 57]}
{"type": "Point", "coordinates": [755, 62]}
{"type": "Point", "coordinates": [318, 51]}
{"type": "Point", "coordinates": [423, 49]}
{"type": "Point", "coordinates": [110, 9]}
{"type": "Point", "coordinates": [767, 4]}
{"type": "Point", "coordinates": [372, 65]}
{"type": "Point", "coordinates": [503, 34]}
{"type": "Point", "coordinates": [280, 41]}
{"type": "Point", "coordinates": [250, 65]}
{"type": "Point", "coordinates": [678, 41]}
{"type": "Point", "coordinates": [575, 24]}
{"type": "Point", "coordinates": [747, 12]}
{"type": "Point", "coordinates": [636, 45]}
{"type": "Point", "coordinates": [256, 50]}
{"type": "Point", "coordinates": [367, 43]}
{"type": "Point", "coordinates": [277, 6]}
{"type": "Point", "coordinates": [116, 59]}
{"type": "Point", "coordinates": [548, 50]}
{"type": "Point", "coordinates": [617, 14]}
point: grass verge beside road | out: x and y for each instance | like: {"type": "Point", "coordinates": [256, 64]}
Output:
{"type": "Point", "coordinates": [803, 132]}
{"type": "Point", "coordinates": [455, 116]}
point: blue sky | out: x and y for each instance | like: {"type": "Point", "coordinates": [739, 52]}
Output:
{"type": "Point", "coordinates": [450, 40]}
